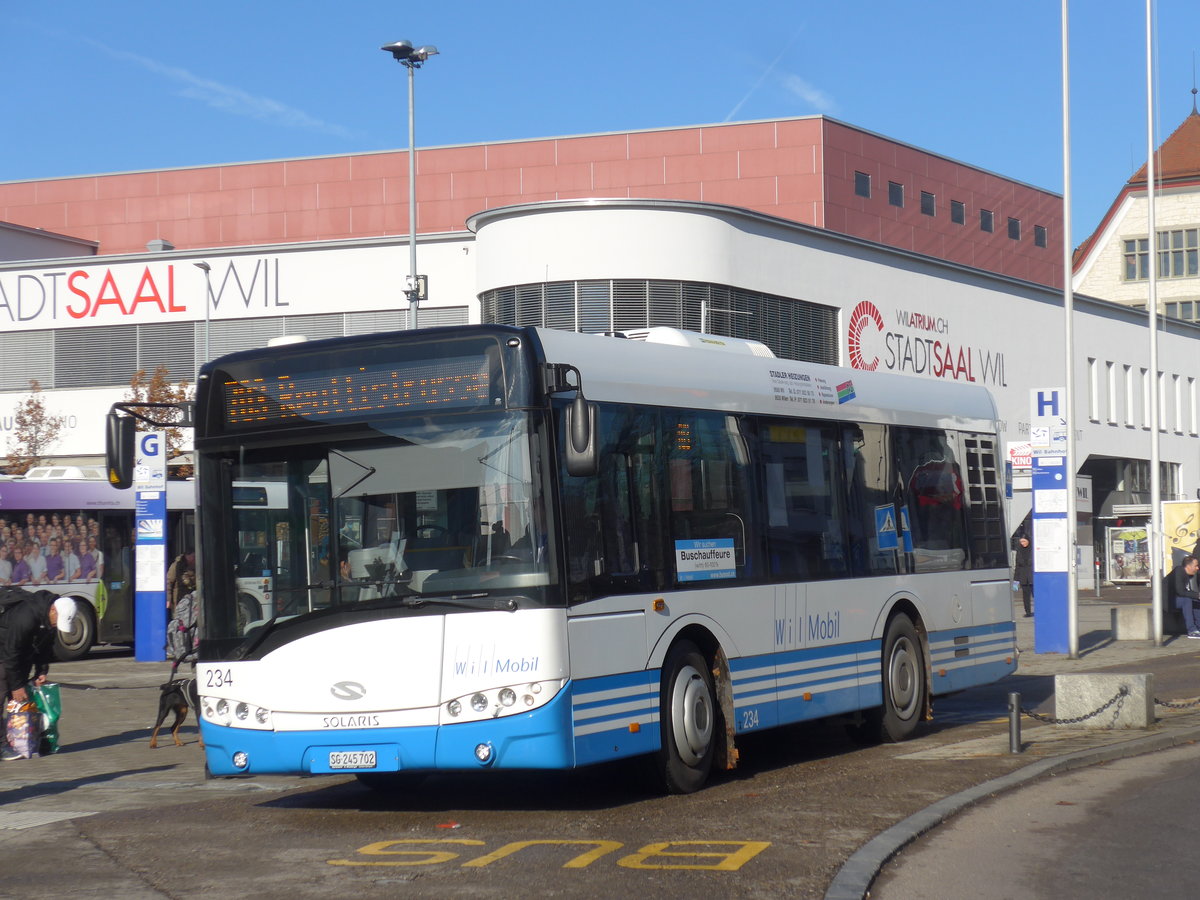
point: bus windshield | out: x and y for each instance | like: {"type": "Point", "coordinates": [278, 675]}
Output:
{"type": "Point", "coordinates": [436, 508]}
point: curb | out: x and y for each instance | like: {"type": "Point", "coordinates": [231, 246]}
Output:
{"type": "Point", "coordinates": [854, 878]}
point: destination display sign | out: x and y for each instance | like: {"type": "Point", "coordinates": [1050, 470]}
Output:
{"type": "Point", "coordinates": [357, 392]}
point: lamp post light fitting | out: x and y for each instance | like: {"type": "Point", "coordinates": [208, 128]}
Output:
{"type": "Point", "coordinates": [411, 58]}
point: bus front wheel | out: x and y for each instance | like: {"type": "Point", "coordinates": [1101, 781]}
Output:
{"type": "Point", "coordinates": [687, 719]}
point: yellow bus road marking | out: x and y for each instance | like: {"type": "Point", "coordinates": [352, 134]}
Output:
{"type": "Point", "coordinates": [717, 856]}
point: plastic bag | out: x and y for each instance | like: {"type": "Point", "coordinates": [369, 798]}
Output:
{"type": "Point", "coordinates": [23, 728]}
{"type": "Point", "coordinates": [1016, 586]}
{"type": "Point", "coordinates": [49, 704]}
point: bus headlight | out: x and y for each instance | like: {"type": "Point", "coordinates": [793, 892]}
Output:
{"type": "Point", "coordinates": [235, 713]}
{"type": "Point", "coordinates": [502, 701]}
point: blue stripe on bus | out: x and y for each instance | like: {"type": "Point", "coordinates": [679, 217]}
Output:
{"type": "Point", "coordinates": [987, 654]}
{"type": "Point", "coordinates": [615, 716]}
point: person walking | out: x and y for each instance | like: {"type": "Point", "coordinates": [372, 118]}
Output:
{"type": "Point", "coordinates": [29, 621]}
{"type": "Point", "coordinates": [1023, 572]}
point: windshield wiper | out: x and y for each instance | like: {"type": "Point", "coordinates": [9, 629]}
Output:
{"type": "Point", "coordinates": [463, 601]}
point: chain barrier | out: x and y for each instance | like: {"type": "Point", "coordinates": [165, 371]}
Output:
{"type": "Point", "coordinates": [1118, 698]}
{"type": "Point", "coordinates": [1178, 704]}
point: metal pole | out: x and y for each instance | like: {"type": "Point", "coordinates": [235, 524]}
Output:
{"type": "Point", "coordinates": [1069, 337]}
{"type": "Point", "coordinates": [207, 304]}
{"type": "Point", "coordinates": [1155, 535]}
{"type": "Point", "coordinates": [412, 201]}
{"type": "Point", "coordinates": [1014, 723]}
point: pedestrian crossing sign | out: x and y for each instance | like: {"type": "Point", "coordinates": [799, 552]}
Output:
{"type": "Point", "coordinates": [885, 527]}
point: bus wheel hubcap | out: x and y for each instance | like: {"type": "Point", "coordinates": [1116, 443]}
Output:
{"type": "Point", "coordinates": [691, 715]}
{"type": "Point", "coordinates": [902, 678]}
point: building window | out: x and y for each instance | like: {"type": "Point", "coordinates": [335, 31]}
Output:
{"type": "Point", "coordinates": [958, 212]}
{"type": "Point", "coordinates": [928, 204]}
{"type": "Point", "coordinates": [985, 220]}
{"type": "Point", "coordinates": [1137, 259]}
{"type": "Point", "coordinates": [1144, 378]}
{"type": "Point", "coordinates": [895, 194]}
{"type": "Point", "coordinates": [1130, 398]}
{"type": "Point", "coordinates": [1113, 391]}
{"type": "Point", "coordinates": [1039, 235]}
{"type": "Point", "coordinates": [1093, 389]}
{"type": "Point", "coordinates": [1191, 405]}
{"type": "Point", "coordinates": [1178, 255]}
{"type": "Point", "coordinates": [1186, 310]}
{"type": "Point", "coordinates": [1014, 228]}
{"type": "Point", "coordinates": [862, 184]}
{"type": "Point", "coordinates": [792, 328]}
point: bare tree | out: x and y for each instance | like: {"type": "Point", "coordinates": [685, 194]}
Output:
{"type": "Point", "coordinates": [35, 432]}
{"type": "Point", "coordinates": [158, 388]}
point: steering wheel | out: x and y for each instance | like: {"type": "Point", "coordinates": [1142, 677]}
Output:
{"type": "Point", "coordinates": [431, 531]}
{"type": "Point", "coordinates": [506, 558]}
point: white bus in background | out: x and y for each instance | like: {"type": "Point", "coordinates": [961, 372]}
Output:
{"type": "Point", "coordinates": [563, 549]}
{"type": "Point", "coordinates": [93, 523]}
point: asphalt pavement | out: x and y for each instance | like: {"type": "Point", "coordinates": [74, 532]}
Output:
{"type": "Point", "coordinates": [110, 700]}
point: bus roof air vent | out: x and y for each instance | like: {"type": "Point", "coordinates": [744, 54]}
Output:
{"type": "Point", "coordinates": [677, 337]}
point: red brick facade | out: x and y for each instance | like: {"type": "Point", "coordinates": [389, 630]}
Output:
{"type": "Point", "coordinates": [798, 169]}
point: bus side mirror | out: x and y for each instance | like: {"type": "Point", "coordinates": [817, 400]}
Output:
{"type": "Point", "coordinates": [120, 433]}
{"type": "Point", "coordinates": [582, 458]}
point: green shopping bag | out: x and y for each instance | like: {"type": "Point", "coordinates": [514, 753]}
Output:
{"type": "Point", "coordinates": [49, 704]}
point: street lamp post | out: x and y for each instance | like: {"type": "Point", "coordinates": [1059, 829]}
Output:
{"type": "Point", "coordinates": [207, 269]}
{"type": "Point", "coordinates": [411, 58]}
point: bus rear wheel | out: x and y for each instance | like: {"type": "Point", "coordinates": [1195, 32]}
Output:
{"type": "Point", "coordinates": [903, 677]}
{"type": "Point", "coordinates": [73, 646]}
{"type": "Point", "coordinates": [687, 719]}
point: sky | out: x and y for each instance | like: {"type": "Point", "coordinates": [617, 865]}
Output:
{"type": "Point", "coordinates": [125, 86]}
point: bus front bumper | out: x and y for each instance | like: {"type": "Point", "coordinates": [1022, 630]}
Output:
{"type": "Point", "coordinates": [540, 739]}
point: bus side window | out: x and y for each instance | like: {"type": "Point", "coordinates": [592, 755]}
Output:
{"type": "Point", "coordinates": [709, 477]}
{"type": "Point", "coordinates": [932, 491]}
{"type": "Point", "coordinates": [872, 517]}
{"type": "Point", "coordinates": [803, 500]}
{"type": "Point", "coordinates": [610, 520]}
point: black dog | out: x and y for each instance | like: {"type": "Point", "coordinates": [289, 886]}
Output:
{"type": "Point", "coordinates": [176, 696]}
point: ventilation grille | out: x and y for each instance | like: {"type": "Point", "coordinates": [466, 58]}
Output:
{"type": "Point", "coordinates": [792, 329]}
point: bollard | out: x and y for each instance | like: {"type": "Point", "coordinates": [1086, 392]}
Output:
{"type": "Point", "coordinates": [1014, 723]}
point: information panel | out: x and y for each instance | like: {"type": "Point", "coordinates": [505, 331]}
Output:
{"type": "Point", "coordinates": [150, 517]}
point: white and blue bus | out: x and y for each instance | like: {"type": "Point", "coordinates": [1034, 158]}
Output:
{"type": "Point", "coordinates": [521, 548]}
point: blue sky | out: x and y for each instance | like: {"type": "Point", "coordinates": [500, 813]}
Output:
{"type": "Point", "coordinates": [122, 86]}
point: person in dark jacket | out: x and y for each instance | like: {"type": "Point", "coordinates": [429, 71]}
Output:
{"type": "Point", "coordinates": [1023, 572]}
{"type": "Point", "coordinates": [28, 624]}
{"type": "Point", "coordinates": [1185, 593]}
